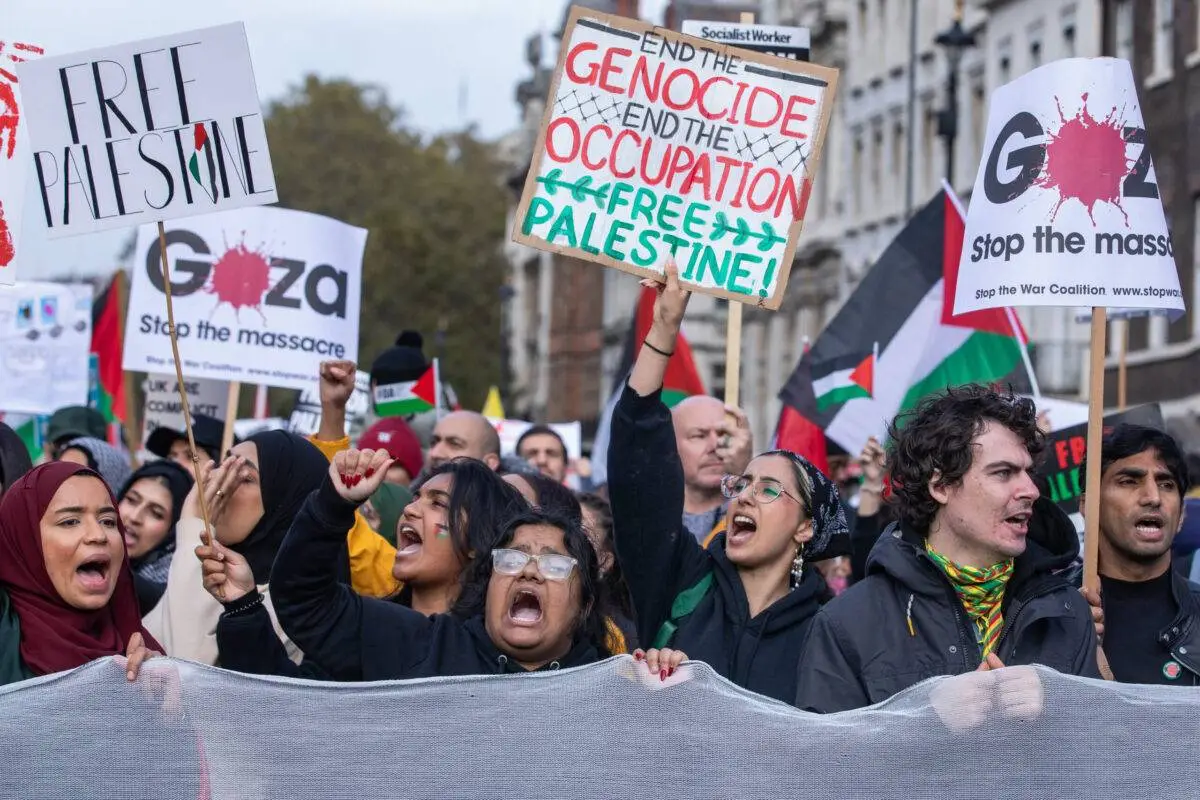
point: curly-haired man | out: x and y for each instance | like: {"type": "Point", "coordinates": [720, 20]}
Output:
{"type": "Point", "coordinates": [969, 578]}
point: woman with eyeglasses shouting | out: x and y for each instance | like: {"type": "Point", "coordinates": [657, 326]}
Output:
{"type": "Point", "coordinates": [533, 602]}
{"type": "Point", "coordinates": [743, 605]}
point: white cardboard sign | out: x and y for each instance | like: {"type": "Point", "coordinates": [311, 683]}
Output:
{"type": "Point", "coordinates": [146, 131]}
{"type": "Point", "coordinates": [164, 409]}
{"type": "Point", "coordinates": [510, 431]}
{"type": "Point", "coordinates": [1066, 208]}
{"type": "Point", "coordinates": [45, 336]}
{"type": "Point", "coordinates": [14, 155]}
{"type": "Point", "coordinates": [306, 416]}
{"type": "Point", "coordinates": [262, 295]}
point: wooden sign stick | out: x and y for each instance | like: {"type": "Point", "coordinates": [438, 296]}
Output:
{"type": "Point", "coordinates": [1095, 432]}
{"type": "Point", "coordinates": [1121, 374]}
{"type": "Point", "coordinates": [183, 398]}
{"type": "Point", "coordinates": [733, 324]}
{"type": "Point", "coordinates": [231, 409]}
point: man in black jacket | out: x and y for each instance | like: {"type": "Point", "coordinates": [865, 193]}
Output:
{"type": "Point", "coordinates": [1151, 612]}
{"type": "Point", "coordinates": [968, 579]}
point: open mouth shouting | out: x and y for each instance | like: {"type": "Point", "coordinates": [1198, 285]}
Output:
{"type": "Point", "coordinates": [1150, 527]}
{"type": "Point", "coordinates": [741, 529]}
{"type": "Point", "coordinates": [94, 573]}
{"type": "Point", "coordinates": [525, 608]}
{"type": "Point", "coordinates": [408, 541]}
{"type": "Point", "coordinates": [1019, 522]}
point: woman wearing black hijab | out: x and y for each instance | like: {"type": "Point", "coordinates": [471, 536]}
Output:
{"type": "Point", "coordinates": [252, 498]}
{"type": "Point", "coordinates": [150, 503]}
{"type": "Point", "coordinates": [14, 458]}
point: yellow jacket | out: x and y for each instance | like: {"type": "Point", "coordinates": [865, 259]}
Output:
{"type": "Point", "coordinates": [371, 556]}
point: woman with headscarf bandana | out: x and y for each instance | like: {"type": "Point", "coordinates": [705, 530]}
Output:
{"type": "Point", "coordinates": [100, 456]}
{"type": "Point", "coordinates": [66, 590]}
{"type": "Point", "coordinates": [252, 498]}
{"type": "Point", "coordinates": [151, 502]}
{"type": "Point", "coordinates": [14, 458]}
{"type": "Point", "coordinates": [744, 605]}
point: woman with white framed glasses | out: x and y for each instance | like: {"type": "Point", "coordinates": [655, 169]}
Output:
{"type": "Point", "coordinates": [532, 602]}
{"type": "Point", "coordinates": [743, 605]}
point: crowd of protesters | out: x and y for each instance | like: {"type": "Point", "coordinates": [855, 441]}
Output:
{"type": "Point", "coordinates": [934, 554]}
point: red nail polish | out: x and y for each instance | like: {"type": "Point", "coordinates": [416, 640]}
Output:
{"type": "Point", "coordinates": [638, 655]}
{"type": "Point", "coordinates": [370, 472]}
{"type": "Point", "coordinates": [662, 675]}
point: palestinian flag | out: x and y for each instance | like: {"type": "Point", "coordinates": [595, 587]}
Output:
{"type": "Point", "coordinates": [200, 141]}
{"type": "Point", "coordinates": [800, 434]}
{"type": "Point", "coordinates": [31, 430]}
{"type": "Point", "coordinates": [896, 340]}
{"type": "Point", "coordinates": [681, 380]}
{"type": "Point", "coordinates": [410, 397]}
{"type": "Point", "coordinates": [107, 332]}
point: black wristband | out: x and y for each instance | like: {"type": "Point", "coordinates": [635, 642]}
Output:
{"type": "Point", "coordinates": [248, 602]}
{"type": "Point", "coordinates": [662, 353]}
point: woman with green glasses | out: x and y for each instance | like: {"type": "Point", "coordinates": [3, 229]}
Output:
{"type": "Point", "coordinates": [531, 603]}
{"type": "Point", "coordinates": [743, 605]}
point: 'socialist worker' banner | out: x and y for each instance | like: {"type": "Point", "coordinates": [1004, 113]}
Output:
{"type": "Point", "coordinates": [657, 144]}
{"type": "Point", "coordinates": [152, 130]}
{"type": "Point", "coordinates": [262, 295]}
{"type": "Point", "coordinates": [1066, 207]}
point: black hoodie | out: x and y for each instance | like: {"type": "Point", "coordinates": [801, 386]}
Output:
{"type": "Point", "coordinates": [346, 637]}
{"type": "Point", "coordinates": [660, 560]}
{"type": "Point", "coordinates": [904, 622]}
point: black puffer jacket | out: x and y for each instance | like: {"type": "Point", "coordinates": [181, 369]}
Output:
{"type": "Point", "coordinates": [346, 637]}
{"type": "Point", "coordinates": [663, 564]}
{"type": "Point", "coordinates": [904, 622]}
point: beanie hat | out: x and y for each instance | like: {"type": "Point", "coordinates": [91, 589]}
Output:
{"type": "Point", "coordinates": [400, 363]}
{"type": "Point", "coordinates": [393, 435]}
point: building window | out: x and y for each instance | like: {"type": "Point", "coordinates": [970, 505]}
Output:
{"type": "Point", "coordinates": [978, 120]}
{"type": "Point", "coordinates": [1164, 21]}
{"type": "Point", "coordinates": [1123, 30]}
{"type": "Point", "coordinates": [856, 174]}
{"type": "Point", "coordinates": [876, 159]}
{"type": "Point", "coordinates": [862, 21]}
{"type": "Point", "coordinates": [1068, 31]}
{"type": "Point", "coordinates": [898, 151]}
{"type": "Point", "coordinates": [1034, 37]}
{"type": "Point", "coordinates": [928, 137]}
{"type": "Point", "coordinates": [1004, 62]}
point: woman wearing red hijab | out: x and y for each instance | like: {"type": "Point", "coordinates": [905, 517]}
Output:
{"type": "Point", "coordinates": [66, 590]}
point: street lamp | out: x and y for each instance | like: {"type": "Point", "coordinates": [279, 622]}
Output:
{"type": "Point", "coordinates": [955, 40]}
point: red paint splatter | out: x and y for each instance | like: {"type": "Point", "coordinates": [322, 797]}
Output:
{"type": "Point", "coordinates": [9, 117]}
{"type": "Point", "coordinates": [1086, 161]}
{"type": "Point", "coordinates": [241, 277]}
{"type": "Point", "coordinates": [7, 249]}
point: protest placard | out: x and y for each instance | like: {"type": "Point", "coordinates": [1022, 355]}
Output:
{"type": "Point", "coordinates": [656, 144]}
{"type": "Point", "coordinates": [151, 130]}
{"type": "Point", "coordinates": [14, 155]}
{"type": "Point", "coordinates": [164, 408]}
{"type": "Point", "coordinates": [510, 431]}
{"type": "Point", "coordinates": [306, 416]}
{"type": "Point", "coordinates": [1067, 447]}
{"type": "Point", "coordinates": [262, 295]}
{"type": "Point", "coordinates": [1066, 207]}
{"type": "Point", "coordinates": [45, 335]}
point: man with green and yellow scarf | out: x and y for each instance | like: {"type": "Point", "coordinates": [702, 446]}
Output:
{"type": "Point", "coordinates": [970, 578]}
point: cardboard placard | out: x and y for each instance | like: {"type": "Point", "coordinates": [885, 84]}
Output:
{"type": "Point", "coordinates": [1066, 449]}
{"type": "Point", "coordinates": [146, 131]}
{"type": "Point", "coordinates": [262, 295]}
{"type": "Point", "coordinates": [45, 338]}
{"type": "Point", "coordinates": [1066, 208]}
{"type": "Point", "coordinates": [14, 155]}
{"type": "Point", "coordinates": [163, 407]}
{"type": "Point", "coordinates": [655, 143]}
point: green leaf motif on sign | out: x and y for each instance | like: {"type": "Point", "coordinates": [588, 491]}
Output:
{"type": "Point", "coordinates": [742, 232]}
{"type": "Point", "coordinates": [580, 191]}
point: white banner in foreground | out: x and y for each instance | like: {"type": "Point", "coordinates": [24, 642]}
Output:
{"type": "Point", "coordinates": [1014, 732]}
{"type": "Point", "coordinates": [1066, 208]}
{"type": "Point", "coordinates": [45, 336]}
{"type": "Point", "coordinates": [150, 130]}
{"type": "Point", "coordinates": [262, 295]}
